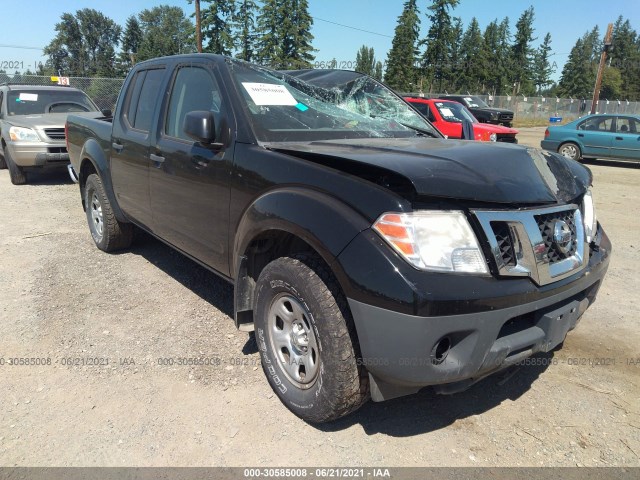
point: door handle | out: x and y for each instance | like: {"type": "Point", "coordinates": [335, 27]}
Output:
{"type": "Point", "coordinates": [619, 138]}
{"type": "Point", "coordinates": [581, 134]}
{"type": "Point", "coordinates": [118, 147]}
{"type": "Point", "coordinates": [156, 159]}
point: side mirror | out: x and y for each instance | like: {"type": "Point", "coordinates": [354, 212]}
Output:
{"type": "Point", "coordinates": [200, 126]}
{"type": "Point", "coordinates": [106, 112]}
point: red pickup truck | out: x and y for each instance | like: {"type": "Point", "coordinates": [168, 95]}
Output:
{"type": "Point", "coordinates": [447, 116]}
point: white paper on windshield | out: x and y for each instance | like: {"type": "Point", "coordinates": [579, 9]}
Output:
{"type": "Point", "coordinates": [28, 97]}
{"type": "Point", "coordinates": [446, 112]}
{"type": "Point", "coordinates": [269, 94]}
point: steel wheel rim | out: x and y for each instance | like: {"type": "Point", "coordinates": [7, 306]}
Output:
{"type": "Point", "coordinates": [293, 340]}
{"type": "Point", "coordinates": [97, 222]}
{"type": "Point", "coordinates": [569, 151]}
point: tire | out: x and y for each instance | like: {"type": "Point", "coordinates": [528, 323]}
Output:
{"type": "Point", "coordinates": [570, 150]}
{"type": "Point", "coordinates": [16, 173]}
{"type": "Point", "coordinates": [307, 342]}
{"type": "Point", "coordinates": [3, 163]}
{"type": "Point", "coordinates": [107, 232]}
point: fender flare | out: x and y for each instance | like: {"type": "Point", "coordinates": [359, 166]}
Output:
{"type": "Point", "coordinates": [322, 221]}
{"type": "Point", "coordinates": [92, 152]}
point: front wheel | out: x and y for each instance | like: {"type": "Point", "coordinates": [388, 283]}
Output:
{"type": "Point", "coordinates": [108, 233]}
{"type": "Point", "coordinates": [307, 340]}
{"type": "Point", "coordinates": [16, 173]}
{"type": "Point", "coordinates": [570, 150]}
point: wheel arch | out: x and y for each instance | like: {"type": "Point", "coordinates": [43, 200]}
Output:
{"type": "Point", "coordinates": [94, 160]}
{"type": "Point", "coordinates": [286, 222]}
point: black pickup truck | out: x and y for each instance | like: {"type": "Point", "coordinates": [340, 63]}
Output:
{"type": "Point", "coordinates": [483, 112]}
{"type": "Point", "coordinates": [371, 256]}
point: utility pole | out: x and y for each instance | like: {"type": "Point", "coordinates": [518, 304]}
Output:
{"type": "Point", "coordinates": [198, 27]}
{"type": "Point", "coordinates": [603, 63]}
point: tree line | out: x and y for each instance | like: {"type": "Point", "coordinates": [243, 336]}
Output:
{"type": "Point", "coordinates": [452, 58]}
{"type": "Point", "coordinates": [500, 59]}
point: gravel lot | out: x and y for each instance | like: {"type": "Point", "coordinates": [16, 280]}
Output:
{"type": "Point", "coordinates": [62, 300]}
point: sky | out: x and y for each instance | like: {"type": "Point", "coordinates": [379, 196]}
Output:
{"type": "Point", "coordinates": [566, 20]}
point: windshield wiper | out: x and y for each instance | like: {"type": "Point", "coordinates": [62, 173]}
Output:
{"type": "Point", "coordinates": [421, 131]}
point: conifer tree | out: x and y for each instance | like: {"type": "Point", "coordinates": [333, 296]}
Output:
{"type": "Point", "coordinates": [401, 71]}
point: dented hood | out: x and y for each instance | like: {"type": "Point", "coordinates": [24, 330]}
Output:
{"type": "Point", "coordinates": [477, 171]}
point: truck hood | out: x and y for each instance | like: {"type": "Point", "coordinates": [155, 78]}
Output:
{"type": "Point", "coordinates": [46, 120]}
{"type": "Point", "coordinates": [476, 171]}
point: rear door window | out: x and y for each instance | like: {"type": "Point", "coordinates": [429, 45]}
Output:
{"type": "Point", "coordinates": [142, 100]}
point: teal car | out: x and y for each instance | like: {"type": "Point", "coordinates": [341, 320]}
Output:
{"type": "Point", "coordinates": [596, 136]}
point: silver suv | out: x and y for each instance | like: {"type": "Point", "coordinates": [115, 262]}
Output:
{"type": "Point", "coordinates": [32, 122]}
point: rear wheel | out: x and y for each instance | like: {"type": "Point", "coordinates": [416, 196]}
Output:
{"type": "Point", "coordinates": [307, 340]}
{"type": "Point", "coordinates": [16, 173]}
{"type": "Point", "coordinates": [108, 233]}
{"type": "Point", "coordinates": [570, 150]}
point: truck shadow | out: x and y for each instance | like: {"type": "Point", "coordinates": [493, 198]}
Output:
{"type": "Point", "coordinates": [48, 177]}
{"type": "Point", "coordinates": [427, 411]}
{"type": "Point", "coordinates": [207, 285]}
{"type": "Point", "coordinates": [421, 413]}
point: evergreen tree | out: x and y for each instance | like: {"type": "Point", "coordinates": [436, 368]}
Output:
{"type": "Point", "coordinates": [438, 41]}
{"type": "Point", "coordinates": [299, 53]}
{"type": "Point", "coordinates": [217, 21]}
{"type": "Point", "coordinates": [401, 73]}
{"type": "Point", "coordinates": [377, 72]}
{"type": "Point", "coordinates": [131, 40]}
{"type": "Point", "coordinates": [625, 56]}
{"type": "Point", "coordinates": [542, 68]}
{"type": "Point", "coordinates": [365, 60]}
{"type": "Point", "coordinates": [285, 34]}
{"type": "Point", "coordinates": [165, 31]}
{"type": "Point", "coordinates": [245, 26]}
{"type": "Point", "coordinates": [268, 49]}
{"type": "Point", "coordinates": [522, 53]}
{"type": "Point", "coordinates": [579, 73]}
{"type": "Point", "coordinates": [455, 66]}
{"type": "Point", "coordinates": [474, 72]}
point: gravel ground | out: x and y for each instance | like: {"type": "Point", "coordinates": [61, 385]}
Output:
{"type": "Point", "coordinates": [65, 302]}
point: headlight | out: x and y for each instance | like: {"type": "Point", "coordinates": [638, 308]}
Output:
{"type": "Point", "coordinates": [21, 134]}
{"type": "Point", "coordinates": [493, 137]}
{"type": "Point", "coordinates": [589, 215]}
{"type": "Point", "coordinates": [440, 241]}
{"type": "Point", "coordinates": [494, 116]}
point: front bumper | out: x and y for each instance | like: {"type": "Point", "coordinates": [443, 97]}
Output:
{"type": "Point", "coordinates": [463, 342]}
{"type": "Point", "coordinates": [38, 154]}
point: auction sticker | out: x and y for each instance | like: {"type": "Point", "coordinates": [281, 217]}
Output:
{"type": "Point", "coordinates": [30, 97]}
{"type": "Point", "coordinates": [269, 94]}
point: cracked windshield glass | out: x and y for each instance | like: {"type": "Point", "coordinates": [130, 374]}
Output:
{"type": "Point", "coordinates": [311, 105]}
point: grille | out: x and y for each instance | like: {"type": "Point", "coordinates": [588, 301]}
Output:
{"type": "Point", "coordinates": [57, 149]}
{"type": "Point", "coordinates": [505, 242]}
{"type": "Point", "coordinates": [504, 137]}
{"type": "Point", "coordinates": [546, 225]}
{"type": "Point", "coordinates": [55, 133]}
{"type": "Point", "coordinates": [506, 116]}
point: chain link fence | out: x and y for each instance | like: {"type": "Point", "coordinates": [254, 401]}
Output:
{"type": "Point", "coordinates": [538, 110]}
{"type": "Point", "coordinates": [103, 91]}
{"type": "Point", "coordinates": [534, 110]}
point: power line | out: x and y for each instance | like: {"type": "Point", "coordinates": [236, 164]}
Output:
{"type": "Point", "coordinates": [352, 28]}
{"type": "Point", "coordinates": [21, 46]}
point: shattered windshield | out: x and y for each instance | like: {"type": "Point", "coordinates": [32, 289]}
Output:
{"type": "Point", "coordinates": [310, 105]}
